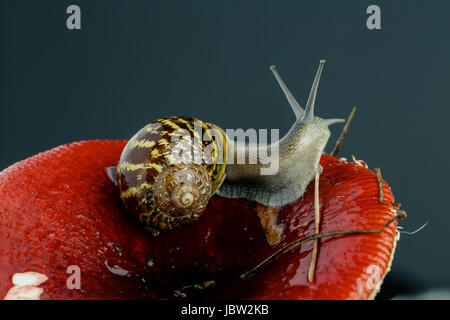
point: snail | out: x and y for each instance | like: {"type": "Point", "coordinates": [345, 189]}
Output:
{"type": "Point", "coordinates": [170, 169]}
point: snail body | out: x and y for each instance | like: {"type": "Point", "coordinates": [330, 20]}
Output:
{"type": "Point", "coordinates": [164, 192]}
{"type": "Point", "coordinates": [299, 153]}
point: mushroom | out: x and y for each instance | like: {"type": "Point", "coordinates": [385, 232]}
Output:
{"type": "Point", "coordinates": [58, 209]}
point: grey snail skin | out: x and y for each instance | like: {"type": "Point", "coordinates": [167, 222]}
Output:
{"type": "Point", "coordinates": [299, 155]}
{"type": "Point", "coordinates": [163, 194]}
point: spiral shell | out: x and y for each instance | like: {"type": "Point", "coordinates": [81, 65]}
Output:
{"type": "Point", "coordinates": [183, 190]}
{"type": "Point", "coordinates": [169, 170]}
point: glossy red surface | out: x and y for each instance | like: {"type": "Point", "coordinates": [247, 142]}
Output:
{"type": "Point", "coordinates": [59, 208]}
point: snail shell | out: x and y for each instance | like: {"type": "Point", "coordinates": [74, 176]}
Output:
{"type": "Point", "coordinates": [169, 170]}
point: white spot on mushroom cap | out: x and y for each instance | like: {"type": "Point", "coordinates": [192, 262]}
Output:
{"type": "Point", "coordinates": [26, 286]}
{"type": "Point", "coordinates": [24, 293]}
{"type": "Point", "coordinates": [29, 278]}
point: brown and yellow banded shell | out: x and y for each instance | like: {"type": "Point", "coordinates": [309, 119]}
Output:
{"type": "Point", "coordinates": [160, 154]}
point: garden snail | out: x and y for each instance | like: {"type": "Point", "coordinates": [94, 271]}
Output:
{"type": "Point", "coordinates": [164, 193]}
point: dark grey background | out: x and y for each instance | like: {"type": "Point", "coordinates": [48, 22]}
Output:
{"type": "Point", "coordinates": [134, 61]}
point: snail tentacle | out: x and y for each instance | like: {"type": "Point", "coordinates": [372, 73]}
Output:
{"type": "Point", "coordinates": [309, 111]}
{"type": "Point", "coordinates": [298, 110]}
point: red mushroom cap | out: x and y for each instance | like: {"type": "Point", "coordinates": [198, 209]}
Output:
{"type": "Point", "coordinates": [59, 208]}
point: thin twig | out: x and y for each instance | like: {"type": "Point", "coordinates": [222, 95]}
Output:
{"type": "Point", "coordinates": [312, 266]}
{"type": "Point", "coordinates": [344, 131]}
{"type": "Point", "coordinates": [399, 214]}
{"type": "Point", "coordinates": [380, 186]}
